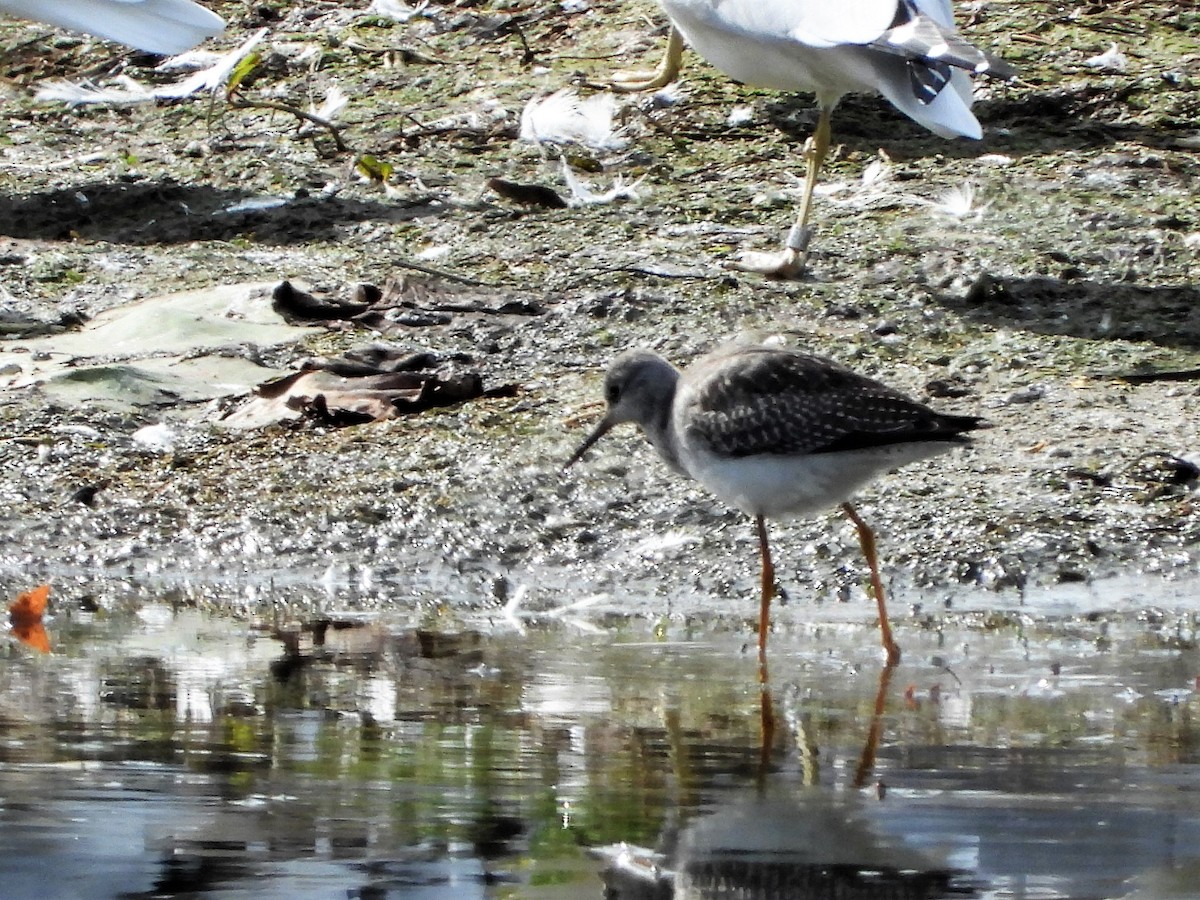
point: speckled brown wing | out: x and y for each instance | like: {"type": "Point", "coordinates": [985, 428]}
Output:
{"type": "Point", "coordinates": [766, 400]}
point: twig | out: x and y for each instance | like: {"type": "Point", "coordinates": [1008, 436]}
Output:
{"type": "Point", "coordinates": [298, 113]}
{"type": "Point", "coordinates": [449, 276]}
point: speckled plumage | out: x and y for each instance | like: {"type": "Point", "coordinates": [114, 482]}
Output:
{"type": "Point", "coordinates": [777, 401]}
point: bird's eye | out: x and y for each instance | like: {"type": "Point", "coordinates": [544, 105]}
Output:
{"type": "Point", "coordinates": [612, 394]}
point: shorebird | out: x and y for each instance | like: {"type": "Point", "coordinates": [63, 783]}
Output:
{"type": "Point", "coordinates": [156, 26]}
{"type": "Point", "coordinates": [776, 433]}
{"type": "Point", "coordinates": [906, 50]}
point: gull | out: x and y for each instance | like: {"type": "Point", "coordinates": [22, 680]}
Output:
{"type": "Point", "coordinates": [906, 50]}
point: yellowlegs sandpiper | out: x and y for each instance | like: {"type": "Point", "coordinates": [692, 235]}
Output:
{"type": "Point", "coordinates": [775, 432]}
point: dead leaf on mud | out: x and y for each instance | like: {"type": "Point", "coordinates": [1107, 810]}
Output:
{"type": "Point", "coordinates": [527, 194]}
{"type": "Point", "coordinates": [405, 301]}
{"type": "Point", "coordinates": [368, 385]}
{"type": "Point", "coordinates": [188, 346]}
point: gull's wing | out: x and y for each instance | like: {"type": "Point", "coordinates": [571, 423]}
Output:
{"type": "Point", "coordinates": [827, 23]}
{"type": "Point", "coordinates": [156, 26]}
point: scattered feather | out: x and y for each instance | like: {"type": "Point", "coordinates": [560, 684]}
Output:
{"type": "Point", "coordinates": [512, 609]}
{"type": "Point", "coordinates": [563, 118]}
{"type": "Point", "coordinates": [668, 96]}
{"type": "Point", "coordinates": [959, 202]}
{"type": "Point", "coordinates": [739, 116]}
{"type": "Point", "coordinates": [876, 172]}
{"type": "Point", "coordinates": [191, 61]}
{"type": "Point", "coordinates": [253, 204]}
{"type": "Point", "coordinates": [995, 159]}
{"type": "Point", "coordinates": [582, 195]}
{"type": "Point", "coordinates": [874, 188]}
{"type": "Point", "coordinates": [84, 92]}
{"type": "Point", "coordinates": [398, 9]}
{"type": "Point", "coordinates": [335, 102]}
{"type": "Point", "coordinates": [1111, 60]}
{"type": "Point", "coordinates": [214, 77]}
{"type": "Point", "coordinates": [130, 91]}
{"type": "Point", "coordinates": [160, 438]}
{"type": "Point", "coordinates": [434, 253]}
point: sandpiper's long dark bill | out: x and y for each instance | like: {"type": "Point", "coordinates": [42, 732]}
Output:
{"type": "Point", "coordinates": [775, 433]}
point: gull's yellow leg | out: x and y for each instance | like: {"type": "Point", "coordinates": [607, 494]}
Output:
{"type": "Point", "coordinates": [667, 71]}
{"type": "Point", "coordinates": [792, 260]}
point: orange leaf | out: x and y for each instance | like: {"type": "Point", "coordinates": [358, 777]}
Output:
{"type": "Point", "coordinates": [26, 613]}
{"type": "Point", "coordinates": [30, 606]}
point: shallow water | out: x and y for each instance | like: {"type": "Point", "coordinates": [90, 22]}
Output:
{"type": "Point", "coordinates": [162, 751]}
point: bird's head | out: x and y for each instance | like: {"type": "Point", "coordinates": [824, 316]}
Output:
{"type": "Point", "coordinates": [638, 387]}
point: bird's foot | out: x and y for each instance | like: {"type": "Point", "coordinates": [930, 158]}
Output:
{"type": "Point", "coordinates": [781, 264]}
{"type": "Point", "coordinates": [791, 262]}
{"type": "Point", "coordinates": [629, 82]}
{"type": "Point", "coordinates": [666, 72]}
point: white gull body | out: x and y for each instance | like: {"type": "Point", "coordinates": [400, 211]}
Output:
{"type": "Point", "coordinates": [828, 48]}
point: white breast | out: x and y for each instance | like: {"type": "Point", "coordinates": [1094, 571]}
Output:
{"type": "Point", "coordinates": [783, 486]}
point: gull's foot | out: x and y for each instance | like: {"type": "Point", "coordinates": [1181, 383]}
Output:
{"type": "Point", "coordinates": [641, 80]}
{"type": "Point", "coordinates": [667, 71]}
{"type": "Point", "coordinates": [791, 262]}
{"type": "Point", "coordinates": [783, 264]}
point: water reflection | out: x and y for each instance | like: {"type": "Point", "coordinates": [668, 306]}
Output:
{"type": "Point", "coordinates": [164, 752]}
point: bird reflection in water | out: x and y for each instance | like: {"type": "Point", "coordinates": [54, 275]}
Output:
{"type": "Point", "coordinates": [779, 839]}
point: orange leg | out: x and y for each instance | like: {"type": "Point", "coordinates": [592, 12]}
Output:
{"type": "Point", "coordinates": [866, 537]}
{"type": "Point", "coordinates": [766, 711]}
{"type": "Point", "coordinates": [766, 721]}
{"type": "Point", "coordinates": [866, 762]}
{"type": "Point", "coordinates": [768, 591]}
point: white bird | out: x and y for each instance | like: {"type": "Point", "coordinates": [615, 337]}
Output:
{"type": "Point", "coordinates": [156, 26]}
{"type": "Point", "coordinates": [906, 50]}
